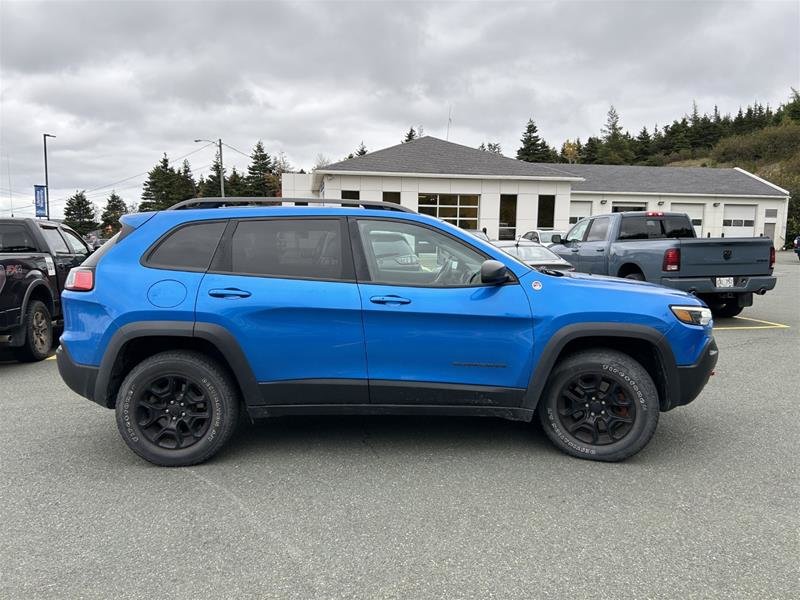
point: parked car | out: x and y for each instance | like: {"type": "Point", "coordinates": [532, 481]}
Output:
{"type": "Point", "coordinates": [533, 254]}
{"type": "Point", "coordinates": [189, 316]}
{"type": "Point", "coordinates": [661, 247]}
{"type": "Point", "coordinates": [543, 236]}
{"type": "Point", "coordinates": [796, 245]}
{"type": "Point", "coordinates": [35, 260]}
{"type": "Point", "coordinates": [479, 233]}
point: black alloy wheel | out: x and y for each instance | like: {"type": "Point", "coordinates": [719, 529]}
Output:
{"type": "Point", "coordinates": [595, 409]}
{"type": "Point", "coordinates": [172, 411]}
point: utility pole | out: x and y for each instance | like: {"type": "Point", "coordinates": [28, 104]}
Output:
{"type": "Point", "coordinates": [221, 168]}
{"type": "Point", "coordinates": [46, 180]}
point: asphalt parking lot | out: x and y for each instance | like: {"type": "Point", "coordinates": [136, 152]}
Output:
{"type": "Point", "coordinates": [417, 507]}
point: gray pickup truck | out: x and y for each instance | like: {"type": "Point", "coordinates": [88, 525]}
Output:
{"type": "Point", "coordinates": [35, 259]}
{"type": "Point", "coordinates": [661, 247]}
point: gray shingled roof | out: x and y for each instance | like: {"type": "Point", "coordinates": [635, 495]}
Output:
{"type": "Point", "coordinates": [432, 155]}
{"type": "Point", "coordinates": [665, 180]}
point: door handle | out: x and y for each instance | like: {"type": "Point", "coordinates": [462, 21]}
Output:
{"type": "Point", "coordinates": [575, 249]}
{"type": "Point", "coordinates": [599, 249]}
{"type": "Point", "coordinates": [389, 300]}
{"type": "Point", "coordinates": [228, 293]}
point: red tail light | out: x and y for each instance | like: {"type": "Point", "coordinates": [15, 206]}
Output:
{"type": "Point", "coordinates": [672, 260]}
{"type": "Point", "coordinates": [654, 213]}
{"type": "Point", "coordinates": [771, 257]}
{"type": "Point", "coordinates": [80, 280]}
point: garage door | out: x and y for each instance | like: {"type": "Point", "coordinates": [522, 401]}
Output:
{"type": "Point", "coordinates": [739, 220]}
{"type": "Point", "coordinates": [578, 209]}
{"type": "Point", "coordinates": [695, 212]}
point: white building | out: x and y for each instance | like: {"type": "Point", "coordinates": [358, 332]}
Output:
{"type": "Point", "coordinates": [476, 189]}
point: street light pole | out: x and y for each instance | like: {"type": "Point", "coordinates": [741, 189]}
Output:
{"type": "Point", "coordinates": [46, 180]}
{"type": "Point", "coordinates": [221, 168]}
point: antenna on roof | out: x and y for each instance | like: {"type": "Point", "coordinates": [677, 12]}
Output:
{"type": "Point", "coordinates": [449, 121]}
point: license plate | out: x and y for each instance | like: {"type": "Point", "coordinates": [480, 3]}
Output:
{"type": "Point", "coordinates": [724, 282]}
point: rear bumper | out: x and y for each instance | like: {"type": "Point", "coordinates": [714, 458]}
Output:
{"type": "Point", "coordinates": [79, 378]}
{"type": "Point", "coordinates": [706, 285]}
{"type": "Point", "coordinates": [693, 378]}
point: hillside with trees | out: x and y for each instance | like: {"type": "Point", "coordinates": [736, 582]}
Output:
{"type": "Point", "coordinates": [761, 140]}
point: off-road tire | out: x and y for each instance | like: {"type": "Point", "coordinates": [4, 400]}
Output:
{"type": "Point", "coordinates": [625, 378]}
{"type": "Point", "coordinates": [138, 406]}
{"type": "Point", "coordinates": [38, 326]}
{"type": "Point", "coordinates": [636, 276]}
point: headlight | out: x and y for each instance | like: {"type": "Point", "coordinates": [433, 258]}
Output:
{"type": "Point", "coordinates": [692, 315]}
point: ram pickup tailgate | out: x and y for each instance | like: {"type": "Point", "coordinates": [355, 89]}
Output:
{"type": "Point", "coordinates": [720, 257]}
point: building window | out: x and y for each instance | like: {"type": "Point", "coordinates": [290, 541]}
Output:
{"type": "Point", "coordinates": [697, 222]}
{"type": "Point", "coordinates": [393, 197]}
{"type": "Point", "coordinates": [508, 216]}
{"type": "Point", "coordinates": [459, 209]}
{"type": "Point", "coordinates": [351, 195]}
{"type": "Point", "coordinates": [547, 210]}
{"type": "Point", "coordinates": [573, 220]}
{"type": "Point", "coordinates": [771, 213]}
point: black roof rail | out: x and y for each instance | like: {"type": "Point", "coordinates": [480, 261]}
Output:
{"type": "Point", "coordinates": [243, 201]}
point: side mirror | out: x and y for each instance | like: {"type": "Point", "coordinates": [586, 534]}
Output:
{"type": "Point", "coordinates": [556, 239]}
{"type": "Point", "coordinates": [493, 272]}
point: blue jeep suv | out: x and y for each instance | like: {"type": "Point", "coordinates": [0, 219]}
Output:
{"type": "Point", "coordinates": [190, 316]}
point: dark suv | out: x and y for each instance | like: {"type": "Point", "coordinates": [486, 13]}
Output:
{"type": "Point", "coordinates": [188, 316]}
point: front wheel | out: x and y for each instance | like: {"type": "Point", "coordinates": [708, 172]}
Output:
{"type": "Point", "coordinates": [599, 405]}
{"type": "Point", "coordinates": [177, 408]}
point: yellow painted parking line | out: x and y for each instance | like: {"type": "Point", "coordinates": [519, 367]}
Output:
{"type": "Point", "coordinates": [764, 325]}
{"type": "Point", "coordinates": [51, 357]}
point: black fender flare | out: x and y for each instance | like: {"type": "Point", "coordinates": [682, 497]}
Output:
{"type": "Point", "coordinates": [215, 334]}
{"type": "Point", "coordinates": [570, 333]}
{"type": "Point", "coordinates": [37, 282]}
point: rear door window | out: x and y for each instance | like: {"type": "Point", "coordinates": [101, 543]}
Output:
{"type": "Point", "coordinates": [640, 228]}
{"type": "Point", "coordinates": [75, 243]}
{"type": "Point", "coordinates": [16, 238]}
{"type": "Point", "coordinates": [55, 241]}
{"type": "Point", "coordinates": [187, 248]}
{"type": "Point", "coordinates": [291, 248]}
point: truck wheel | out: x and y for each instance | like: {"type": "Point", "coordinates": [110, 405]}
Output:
{"type": "Point", "coordinates": [177, 408]}
{"type": "Point", "coordinates": [729, 309]}
{"type": "Point", "coordinates": [636, 276]}
{"type": "Point", "coordinates": [38, 327]}
{"type": "Point", "coordinates": [599, 405]}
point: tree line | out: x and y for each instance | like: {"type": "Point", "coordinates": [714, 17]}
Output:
{"type": "Point", "coordinates": [754, 135]}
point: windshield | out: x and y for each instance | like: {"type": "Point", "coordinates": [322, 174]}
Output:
{"type": "Point", "coordinates": [532, 253]}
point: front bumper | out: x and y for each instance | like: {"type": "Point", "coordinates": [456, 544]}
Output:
{"type": "Point", "coordinates": [79, 378]}
{"type": "Point", "coordinates": [707, 285]}
{"type": "Point", "coordinates": [693, 378]}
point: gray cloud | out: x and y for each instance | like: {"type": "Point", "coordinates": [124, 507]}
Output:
{"type": "Point", "coordinates": [122, 82]}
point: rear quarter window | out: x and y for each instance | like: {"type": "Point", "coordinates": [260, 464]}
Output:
{"type": "Point", "coordinates": [188, 248]}
{"type": "Point", "coordinates": [16, 238]}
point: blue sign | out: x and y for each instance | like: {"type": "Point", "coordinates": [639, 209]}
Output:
{"type": "Point", "coordinates": [40, 200]}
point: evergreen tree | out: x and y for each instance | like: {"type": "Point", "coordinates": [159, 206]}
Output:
{"type": "Point", "coordinates": [493, 147]}
{"type": "Point", "coordinates": [80, 213]}
{"type": "Point", "coordinates": [212, 187]}
{"type": "Point", "coordinates": [410, 135]}
{"type": "Point", "coordinates": [590, 152]}
{"type": "Point", "coordinates": [235, 185]}
{"type": "Point", "coordinates": [533, 148]}
{"type": "Point", "coordinates": [642, 146]}
{"type": "Point", "coordinates": [260, 178]}
{"type": "Point", "coordinates": [160, 190]}
{"type": "Point", "coordinates": [115, 208]}
{"type": "Point", "coordinates": [185, 186]}
{"type": "Point", "coordinates": [615, 149]}
{"type": "Point", "coordinates": [362, 149]}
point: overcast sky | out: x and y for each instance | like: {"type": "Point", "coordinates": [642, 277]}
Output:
{"type": "Point", "coordinates": [119, 83]}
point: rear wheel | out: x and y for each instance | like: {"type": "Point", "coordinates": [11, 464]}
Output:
{"type": "Point", "coordinates": [599, 405]}
{"type": "Point", "coordinates": [38, 327]}
{"type": "Point", "coordinates": [177, 408]}
{"type": "Point", "coordinates": [636, 276]}
{"type": "Point", "coordinates": [729, 309]}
